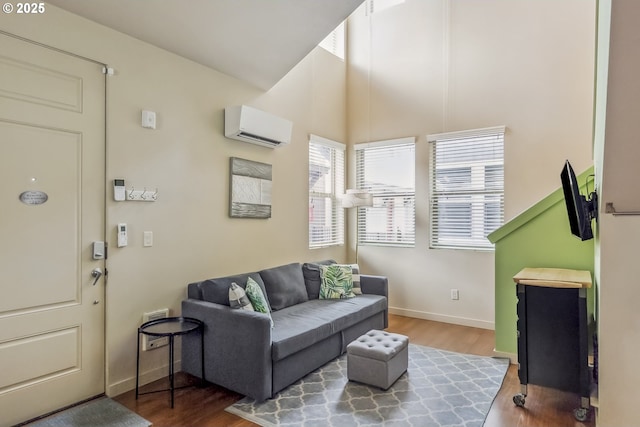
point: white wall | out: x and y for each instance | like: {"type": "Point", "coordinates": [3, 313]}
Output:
{"type": "Point", "coordinates": [431, 66]}
{"type": "Point", "coordinates": [616, 161]}
{"type": "Point", "coordinates": [187, 159]}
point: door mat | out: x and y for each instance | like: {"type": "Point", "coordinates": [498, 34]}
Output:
{"type": "Point", "coordinates": [101, 412]}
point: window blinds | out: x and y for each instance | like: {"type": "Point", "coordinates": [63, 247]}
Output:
{"type": "Point", "coordinates": [335, 41]}
{"type": "Point", "coordinates": [326, 185]}
{"type": "Point", "coordinates": [467, 187]}
{"type": "Point", "coordinates": [386, 169]}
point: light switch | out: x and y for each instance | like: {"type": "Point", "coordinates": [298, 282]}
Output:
{"type": "Point", "coordinates": [148, 238]}
{"type": "Point", "coordinates": [148, 119]}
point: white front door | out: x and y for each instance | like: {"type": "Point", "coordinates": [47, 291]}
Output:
{"type": "Point", "coordinates": [52, 207]}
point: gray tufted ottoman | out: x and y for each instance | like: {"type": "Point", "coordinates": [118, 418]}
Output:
{"type": "Point", "coordinates": [377, 358]}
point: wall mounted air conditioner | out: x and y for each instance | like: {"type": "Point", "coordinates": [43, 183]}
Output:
{"type": "Point", "coordinates": [249, 124]}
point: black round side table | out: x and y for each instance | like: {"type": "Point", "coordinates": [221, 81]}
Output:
{"type": "Point", "coordinates": [170, 327]}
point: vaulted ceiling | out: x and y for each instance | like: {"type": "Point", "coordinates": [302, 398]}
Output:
{"type": "Point", "coordinates": [257, 41]}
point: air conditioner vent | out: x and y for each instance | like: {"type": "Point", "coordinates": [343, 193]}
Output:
{"type": "Point", "coordinates": [259, 138]}
{"type": "Point", "coordinates": [249, 124]}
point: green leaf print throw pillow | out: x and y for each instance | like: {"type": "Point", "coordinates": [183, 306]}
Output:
{"type": "Point", "coordinates": [258, 301]}
{"type": "Point", "coordinates": [336, 281]}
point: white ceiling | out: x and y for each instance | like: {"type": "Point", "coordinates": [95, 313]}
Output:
{"type": "Point", "coordinates": [257, 41]}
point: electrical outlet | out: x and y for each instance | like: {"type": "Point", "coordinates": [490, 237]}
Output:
{"type": "Point", "coordinates": [455, 295]}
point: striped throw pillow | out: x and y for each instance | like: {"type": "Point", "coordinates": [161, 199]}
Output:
{"type": "Point", "coordinates": [355, 273]}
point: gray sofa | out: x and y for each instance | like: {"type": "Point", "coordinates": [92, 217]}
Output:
{"type": "Point", "coordinates": [244, 353]}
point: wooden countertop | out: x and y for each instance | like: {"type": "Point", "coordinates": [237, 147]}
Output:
{"type": "Point", "coordinates": [553, 277]}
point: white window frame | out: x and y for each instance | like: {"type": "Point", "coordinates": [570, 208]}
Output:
{"type": "Point", "coordinates": [463, 232]}
{"type": "Point", "coordinates": [387, 212]}
{"type": "Point", "coordinates": [332, 227]}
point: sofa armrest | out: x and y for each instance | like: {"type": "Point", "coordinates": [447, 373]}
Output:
{"type": "Point", "coordinates": [237, 349]}
{"type": "Point", "coordinates": [377, 285]}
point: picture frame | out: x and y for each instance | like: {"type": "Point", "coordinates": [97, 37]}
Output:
{"type": "Point", "coordinates": [250, 189]}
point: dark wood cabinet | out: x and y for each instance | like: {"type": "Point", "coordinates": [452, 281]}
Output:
{"type": "Point", "coordinates": [553, 332]}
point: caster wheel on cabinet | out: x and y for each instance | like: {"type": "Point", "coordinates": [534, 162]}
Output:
{"type": "Point", "coordinates": [581, 414]}
{"type": "Point", "coordinates": [518, 399]}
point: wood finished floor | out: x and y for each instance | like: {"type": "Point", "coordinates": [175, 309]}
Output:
{"type": "Point", "coordinates": [204, 406]}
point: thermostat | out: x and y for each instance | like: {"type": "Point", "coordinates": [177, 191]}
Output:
{"type": "Point", "coordinates": [118, 190]}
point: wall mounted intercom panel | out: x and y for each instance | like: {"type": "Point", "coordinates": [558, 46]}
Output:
{"type": "Point", "coordinates": [122, 235]}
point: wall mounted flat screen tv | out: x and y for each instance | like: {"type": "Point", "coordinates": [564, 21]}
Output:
{"type": "Point", "coordinates": [580, 209]}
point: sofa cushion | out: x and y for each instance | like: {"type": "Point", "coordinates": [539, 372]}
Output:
{"type": "Point", "coordinates": [355, 310]}
{"type": "Point", "coordinates": [285, 285]}
{"type": "Point", "coordinates": [194, 291]}
{"type": "Point", "coordinates": [217, 290]}
{"type": "Point", "coordinates": [302, 325]}
{"type": "Point", "coordinates": [337, 281]}
{"type": "Point", "coordinates": [312, 280]}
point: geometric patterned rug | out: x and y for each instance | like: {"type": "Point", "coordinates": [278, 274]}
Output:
{"type": "Point", "coordinates": [440, 388]}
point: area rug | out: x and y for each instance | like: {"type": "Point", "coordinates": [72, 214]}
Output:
{"type": "Point", "coordinates": [101, 412]}
{"type": "Point", "coordinates": [440, 388]}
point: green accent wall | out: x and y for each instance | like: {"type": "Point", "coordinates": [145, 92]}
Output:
{"type": "Point", "coordinates": [538, 237]}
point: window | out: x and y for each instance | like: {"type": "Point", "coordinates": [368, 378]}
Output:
{"type": "Point", "coordinates": [386, 169]}
{"type": "Point", "coordinates": [467, 187]}
{"type": "Point", "coordinates": [326, 184]}
{"type": "Point", "coordinates": [334, 42]}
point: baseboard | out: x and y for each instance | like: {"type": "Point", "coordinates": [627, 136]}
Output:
{"type": "Point", "coordinates": [463, 321]}
{"type": "Point", "coordinates": [146, 377]}
{"type": "Point", "coordinates": [511, 356]}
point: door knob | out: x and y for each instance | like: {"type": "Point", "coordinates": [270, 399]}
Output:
{"type": "Point", "coordinates": [96, 273]}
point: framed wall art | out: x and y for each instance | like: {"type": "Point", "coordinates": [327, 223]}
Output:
{"type": "Point", "coordinates": [250, 193]}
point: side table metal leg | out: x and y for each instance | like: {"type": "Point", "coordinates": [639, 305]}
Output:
{"type": "Point", "coordinates": [171, 367]}
{"type": "Point", "coordinates": [138, 365]}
